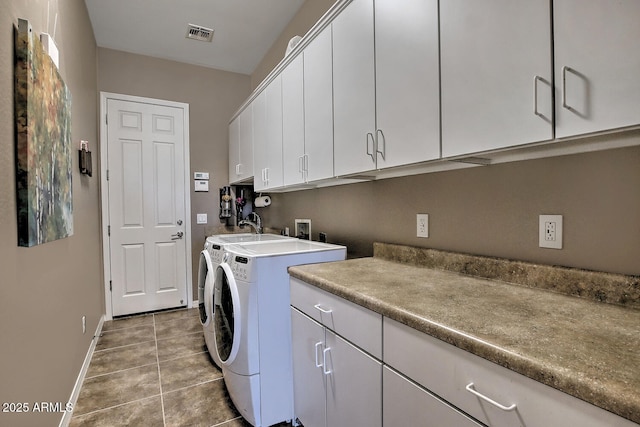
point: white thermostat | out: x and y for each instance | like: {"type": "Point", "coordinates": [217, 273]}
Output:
{"type": "Point", "coordinates": [201, 175]}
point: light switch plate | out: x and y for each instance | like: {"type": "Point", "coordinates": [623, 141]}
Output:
{"type": "Point", "coordinates": [201, 218]}
{"type": "Point", "coordinates": [200, 185]}
{"type": "Point", "coordinates": [422, 224]}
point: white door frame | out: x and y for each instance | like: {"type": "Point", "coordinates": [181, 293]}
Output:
{"type": "Point", "coordinates": [106, 253]}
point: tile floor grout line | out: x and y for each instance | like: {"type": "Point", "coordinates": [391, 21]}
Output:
{"type": "Point", "coordinates": [121, 370]}
{"type": "Point", "coordinates": [122, 346]}
{"type": "Point", "coordinates": [155, 335]}
{"type": "Point", "coordinates": [182, 357]}
{"type": "Point", "coordinates": [193, 385]}
{"type": "Point", "coordinates": [116, 406]}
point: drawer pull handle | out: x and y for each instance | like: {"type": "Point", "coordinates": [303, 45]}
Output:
{"type": "Point", "coordinates": [485, 398]}
{"type": "Point", "coordinates": [324, 361]}
{"type": "Point", "coordinates": [323, 310]}
{"type": "Point", "coordinates": [318, 364]}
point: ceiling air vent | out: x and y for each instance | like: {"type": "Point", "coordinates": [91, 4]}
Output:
{"type": "Point", "coordinates": [198, 32]}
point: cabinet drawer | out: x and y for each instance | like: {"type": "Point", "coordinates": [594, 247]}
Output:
{"type": "Point", "coordinates": [447, 371]}
{"type": "Point", "coordinates": [405, 403]}
{"type": "Point", "coordinates": [359, 325]}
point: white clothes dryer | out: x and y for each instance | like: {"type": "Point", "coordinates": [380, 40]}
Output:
{"type": "Point", "coordinates": [252, 324]}
{"type": "Point", "coordinates": [210, 258]}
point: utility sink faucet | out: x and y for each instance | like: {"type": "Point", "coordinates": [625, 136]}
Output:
{"type": "Point", "coordinates": [256, 224]}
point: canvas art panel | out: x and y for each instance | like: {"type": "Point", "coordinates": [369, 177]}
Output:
{"type": "Point", "coordinates": [43, 144]}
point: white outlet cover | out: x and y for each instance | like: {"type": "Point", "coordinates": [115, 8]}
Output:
{"type": "Point", "coordinates": [422, 225]}
{"type": "Point", "coordinates": [554, 223]}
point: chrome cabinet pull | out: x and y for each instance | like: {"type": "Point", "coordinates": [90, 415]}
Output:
{"type": "Point", "coordinates": [324, 361]}
{"type": "Point", "coordinates": [323, 310]}
{"type": "Point", "coordinates": [373, 144]}
{"type": "Point", "coordinates": [318, 364]}
{"type": "Point", "coordinates": [564, 87]}
{"type": "Point", "coordinates": [471, 390]}
{"type": "Point", "coordinates": [384, 144]}
{"type": "Point", "coordinates": [535, 95]}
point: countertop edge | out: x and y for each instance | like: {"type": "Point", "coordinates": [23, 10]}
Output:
{"type": "Point", "coordinates": [555, 378]}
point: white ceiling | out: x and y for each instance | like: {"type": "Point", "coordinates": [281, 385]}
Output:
{"type": "Point", "coordinates": [244, 29]}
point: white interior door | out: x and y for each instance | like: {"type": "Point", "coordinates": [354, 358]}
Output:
{"type": "Point", "coordinates": [147, 210]}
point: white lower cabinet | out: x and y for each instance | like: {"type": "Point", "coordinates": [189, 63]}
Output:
{"type": "Point", "coordinates": [335, 383]}
{"type": "Point", "coordinates": [496, 396]}
{"type": "Point", "coordinates": [405, 403]}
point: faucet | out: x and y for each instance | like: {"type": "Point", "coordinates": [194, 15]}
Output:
{"type": "Point", "coordinates": [257, 225]}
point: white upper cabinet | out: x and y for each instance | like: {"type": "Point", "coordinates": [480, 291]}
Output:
{"type": "Point", "coordinates": [597, 50]}
{"type": "Point", "coordinates": [241, 147]}
{"type": "Point", "coordinates": [293, 121]}
{"type": "Point", "coordinates": [318, 108]}
{"type": "Point", "coordinates": [407, 82]}
{"type": "Point", "coordinates": [496, 74]}
{"type": "Point", "coordinates": [267, 137]}
{"type": "Point", "coordinates": [386, 98]}
{"type": "Point", "coordinates": [354, 89]}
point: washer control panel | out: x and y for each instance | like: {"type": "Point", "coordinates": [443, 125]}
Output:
{"type": "Point", "coordinates": [241, 267]}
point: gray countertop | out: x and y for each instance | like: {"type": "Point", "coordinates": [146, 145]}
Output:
{"type": "Point", "coordinates": [588, 349]}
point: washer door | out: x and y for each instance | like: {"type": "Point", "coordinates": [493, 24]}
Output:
{"type": "Point", "coordinates": [227, 316]}
{"type": "Point", "coordinates": [205, 286]}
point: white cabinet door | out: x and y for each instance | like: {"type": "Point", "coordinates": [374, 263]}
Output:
{"type": "Point", "coordinates": [405, 404]}
{"type": "Point", "coordinates": [234, 148]}
{"type": "Point", "coordinates": [293, 127]}
{"type": "Point", "coordinates": [274, 131]}
{"type": "Point", "coordinates": [354, 89]}
{"type": "Point", "coordinates": [318, 108]}
{"type": "Point", "coordinates": [267, 137]}
{"type": "Point", "coordinates": [241, 167]}
{"type": "Point", "coordinates": [260, 143]}
{"type": "Point", "coordinates": [309, 381]}
{"type": "Point", "coordinates": [496, 62]}
{"type": "Point", "coordinates": [354, 386]}
{"type": "Point", "coordinates": [407, 82]}
{"type": "Point", "coordinates": [597, 65]}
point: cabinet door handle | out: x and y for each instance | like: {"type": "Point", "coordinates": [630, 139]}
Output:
{"type": "Point", "coordinates": [535, 95]}
{"type": "Point", "coordinates": [324, 361]}
{"type": "Point", "coordinates": [471, 390]}
{"type": "Point", "coordinates": [323, 310]}
{"type": "Point", "coordinates": [373, 143]}
{"type": "Point", "coordinates": [318, 364]}
{"type": "Point", "coordinates": [384, 144]}
{"type": "Point", "coordinates": [565, 69]}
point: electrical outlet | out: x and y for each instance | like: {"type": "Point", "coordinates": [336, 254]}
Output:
{"type": "Point", "coordinates": [550, 231]}
{"type": "Point", "coordinates": [422, 225]}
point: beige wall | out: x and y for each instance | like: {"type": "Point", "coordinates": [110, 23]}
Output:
{"type": "Point", "coordinates": [490, 210]}
{"type": "Point", "coordinates": [310, 12]}
{"type": "Point", "coordinates": [212, 95]}
{"type": "Point", "coordinates": [45, 290]}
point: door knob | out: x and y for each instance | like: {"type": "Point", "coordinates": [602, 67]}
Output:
{"type": "Point", "coordinates": [179, 222]}
{"type": "Point", "coordinates": [177, 236]}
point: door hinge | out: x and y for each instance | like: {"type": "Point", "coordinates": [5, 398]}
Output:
{"type": "Point", "coordinates": [107, 174]}
{"type": "Point", "coordinates": [110, 286]}
{"type": "Point", "coordinates": [108, 230]}
{"type": "Point", "coordinates": [106, 119]}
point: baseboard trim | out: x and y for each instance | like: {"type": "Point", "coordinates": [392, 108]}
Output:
{"type": "Point", "coordinates": [66, 417]}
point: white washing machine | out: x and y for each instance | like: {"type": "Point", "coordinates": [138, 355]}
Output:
{"type": "Point", "coordinates": [210, 258]}
{"type": "Point", "coordinates": [252, 324]}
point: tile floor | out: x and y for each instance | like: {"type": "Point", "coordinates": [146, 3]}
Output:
{"type": "Point", "coordinates": [154, 370]}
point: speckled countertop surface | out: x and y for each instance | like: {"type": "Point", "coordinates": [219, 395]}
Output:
{"type": "Point", "coordinates": [588, 349]}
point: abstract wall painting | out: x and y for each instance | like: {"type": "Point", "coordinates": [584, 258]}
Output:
{"type": "Point", "coordinates": [43, 144]}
